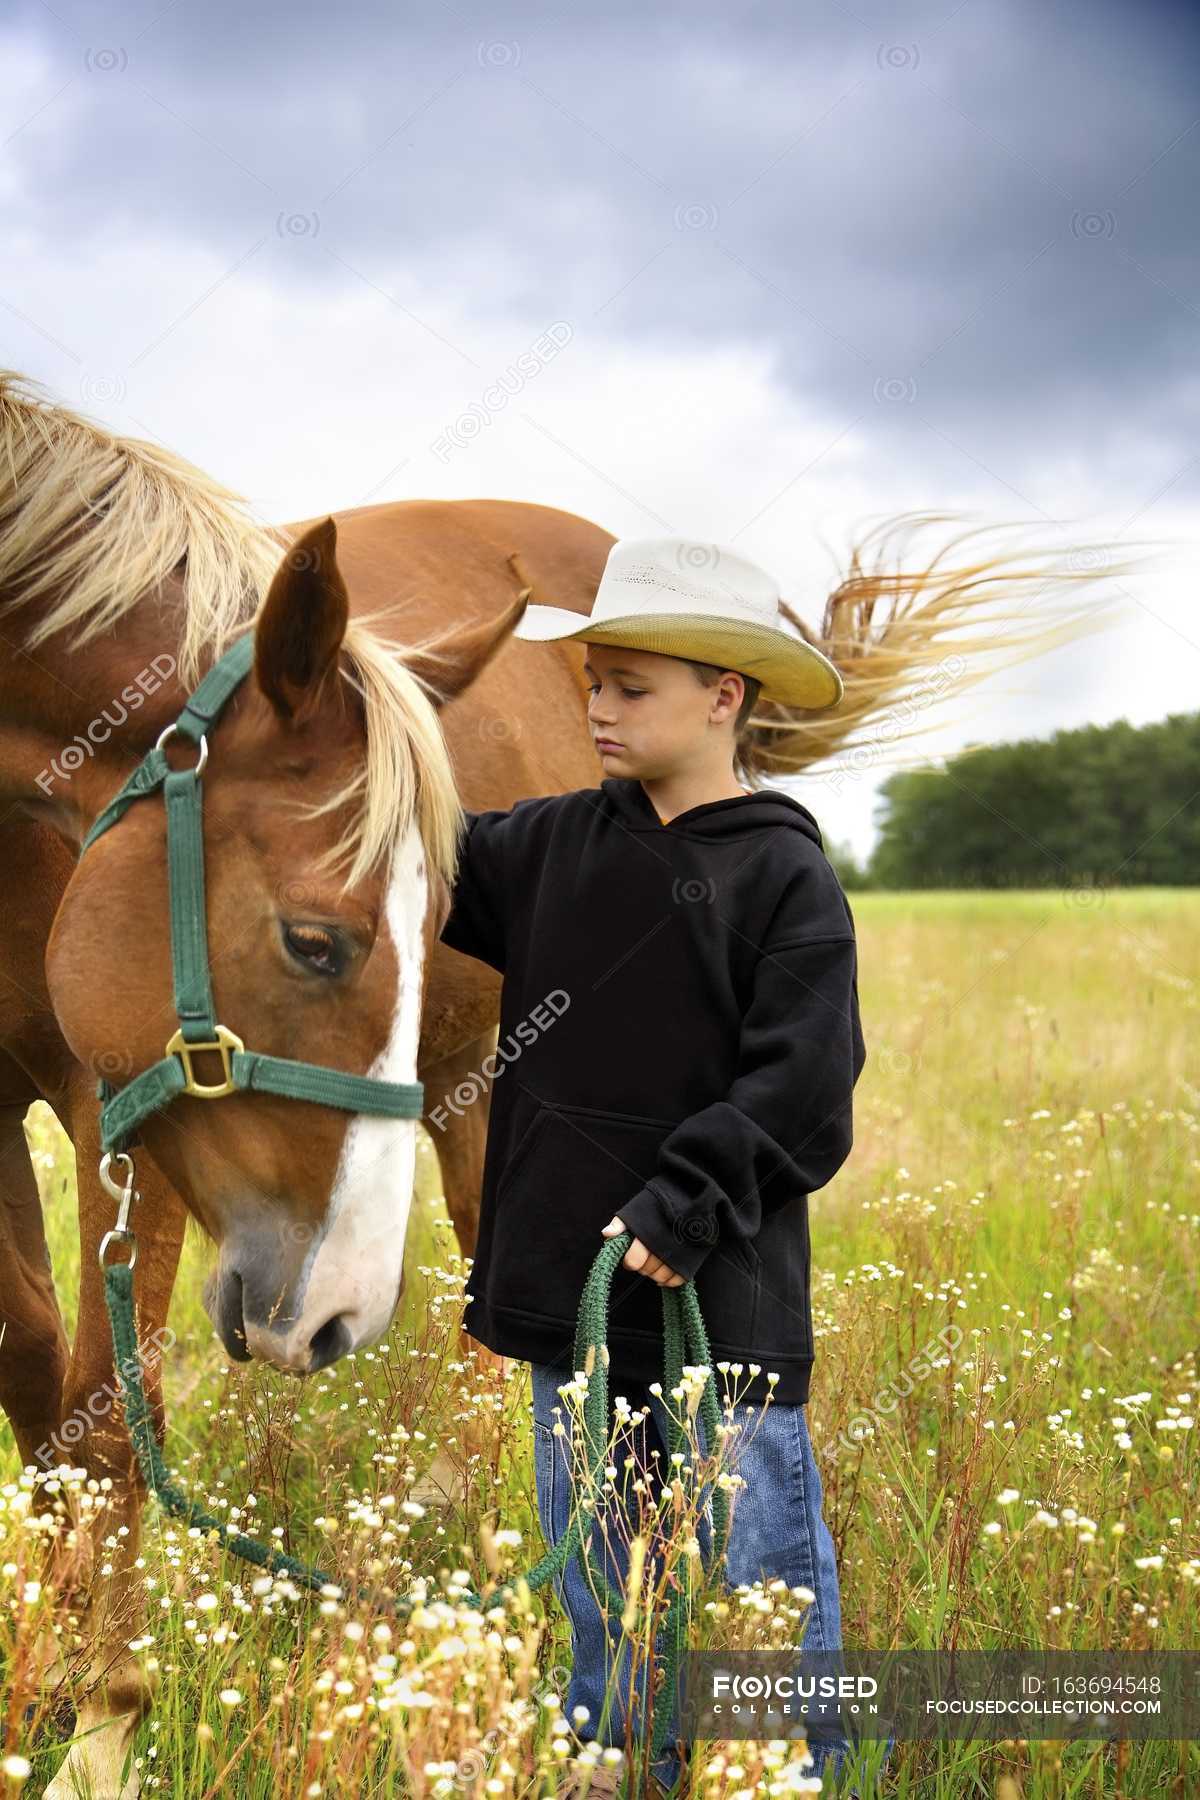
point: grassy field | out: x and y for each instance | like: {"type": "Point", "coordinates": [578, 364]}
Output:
{"type": "Point", "coordinates": [1025, 1170]}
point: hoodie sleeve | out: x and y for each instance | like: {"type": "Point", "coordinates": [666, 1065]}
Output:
{"type": "Point", "coordinates": [477, 924]}
{"type": "Point", "coordinates": [785, 1126]}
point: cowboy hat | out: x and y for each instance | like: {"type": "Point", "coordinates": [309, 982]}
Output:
{"type": "Point", "coordinates": [702, 602]}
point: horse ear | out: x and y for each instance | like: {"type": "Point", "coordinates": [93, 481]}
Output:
{"type": "Point", "coordinates": [302, 623]}
{"type": "Point", "coordinates": [447, 665]}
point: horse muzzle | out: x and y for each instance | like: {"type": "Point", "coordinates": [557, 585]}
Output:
{"type": "Point", "coordinates": [253, 1306]}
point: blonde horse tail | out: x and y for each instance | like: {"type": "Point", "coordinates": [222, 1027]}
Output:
{"type": "Point", "coordinates": [889, 626]}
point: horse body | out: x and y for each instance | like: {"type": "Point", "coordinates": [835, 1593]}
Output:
{"type": "Point", "coordinates": [308, 1206]}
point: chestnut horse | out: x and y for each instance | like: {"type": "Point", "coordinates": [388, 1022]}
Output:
{"type": "Point", "coordinates": [383, 694]}
{"type": "Point", "coordinates": [123, 574]}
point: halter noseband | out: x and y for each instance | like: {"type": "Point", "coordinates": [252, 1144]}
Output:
{"type": "Point", "coordinates": [123, 1110]}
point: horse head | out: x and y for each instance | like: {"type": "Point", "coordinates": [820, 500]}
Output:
{"type": "Point", "coordinates": [328, 744]}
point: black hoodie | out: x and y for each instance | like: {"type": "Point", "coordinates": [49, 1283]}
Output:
{"type": "Point", "coordinates": [679, 1041]}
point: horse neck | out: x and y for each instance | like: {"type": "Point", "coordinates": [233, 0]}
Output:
{"type": "Point", "coordinates": [74, 722]}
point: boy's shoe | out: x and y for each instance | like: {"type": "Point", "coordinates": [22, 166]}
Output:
{"type": "Point", "coordinates": [604, 1779]}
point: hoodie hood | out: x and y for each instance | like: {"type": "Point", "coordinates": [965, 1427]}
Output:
{"type": "Point", "coordinates": [737, 816]}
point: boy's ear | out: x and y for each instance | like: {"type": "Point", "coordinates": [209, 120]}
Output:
{"type": "Point", "coordinates": [302, 624]}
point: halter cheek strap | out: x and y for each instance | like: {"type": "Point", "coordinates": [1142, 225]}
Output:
{"type": "Point", "coordinates": [124, 1109]}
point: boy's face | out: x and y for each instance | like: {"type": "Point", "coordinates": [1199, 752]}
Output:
{"type": "Point", "coordinates": [649, 714]}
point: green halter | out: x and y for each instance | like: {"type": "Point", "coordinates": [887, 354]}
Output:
{"type": "Point", "coordinates": [124, 1110]}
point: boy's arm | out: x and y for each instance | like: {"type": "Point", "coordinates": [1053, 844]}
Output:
{"type": "Point", "coordinates": [477, 924]}
{"type": "Point", "coordinates": [784, 1127]}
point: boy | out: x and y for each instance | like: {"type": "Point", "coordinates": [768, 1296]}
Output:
{"type": "Point", "coordinates": [679, 1041]}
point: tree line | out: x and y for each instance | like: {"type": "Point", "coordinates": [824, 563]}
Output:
{"type": "Point", "coordinates": [1100, 805]}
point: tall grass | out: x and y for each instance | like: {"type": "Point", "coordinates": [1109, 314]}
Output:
{"type": "Point", "coordinates": [1018, 1223]}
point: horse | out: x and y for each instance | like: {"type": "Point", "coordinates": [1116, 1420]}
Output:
{"type": "Point", "coordinates": [124, 572]}
{"type": "Point", "coordinates": [384, 695]}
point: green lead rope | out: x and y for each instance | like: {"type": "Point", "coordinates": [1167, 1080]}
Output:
{"type": "Point", "coordinates": [684, 1337]}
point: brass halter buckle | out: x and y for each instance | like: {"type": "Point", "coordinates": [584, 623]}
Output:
{"type": "Point", "coordinates": [224, 1043]}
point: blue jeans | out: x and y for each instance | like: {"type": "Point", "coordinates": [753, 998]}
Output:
{"type": "Point", "coordinates": [778, 1532]}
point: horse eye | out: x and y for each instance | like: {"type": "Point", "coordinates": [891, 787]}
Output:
{"type": "Point", "coordinates": [315, 947]}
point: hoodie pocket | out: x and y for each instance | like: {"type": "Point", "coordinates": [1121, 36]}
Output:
{"type": "Point", "coordinates": [729, 1288]}
{"type": "Point", "coordinates": [571, 1170]}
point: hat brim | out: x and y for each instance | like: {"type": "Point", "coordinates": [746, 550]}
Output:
{"type": "Point", "coordinates": [791, 671]}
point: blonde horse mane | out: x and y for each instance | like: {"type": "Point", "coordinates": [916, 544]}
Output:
{"type": "Point", "coordinates": [90, 522]}
{"type": "Point", "coordinates": [888, 628]}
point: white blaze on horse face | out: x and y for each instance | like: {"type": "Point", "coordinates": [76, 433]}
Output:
{"type": "Point", "coordinates": [354, 1269]}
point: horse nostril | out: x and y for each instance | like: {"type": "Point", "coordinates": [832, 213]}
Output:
{"type": "Point", "coordinates": [333, 1340]}
{"type": "Point", "coordinates": [229, 1317]}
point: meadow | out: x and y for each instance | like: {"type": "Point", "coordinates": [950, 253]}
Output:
{"type": "Point", "coordinates": [1022, 1195]}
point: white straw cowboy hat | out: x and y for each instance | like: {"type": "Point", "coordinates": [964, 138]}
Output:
{"type": "Point", "coordinates": [705, 602]}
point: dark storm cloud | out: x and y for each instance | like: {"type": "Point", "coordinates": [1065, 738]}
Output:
{"type": "Point", "coordinates": [928, 215]}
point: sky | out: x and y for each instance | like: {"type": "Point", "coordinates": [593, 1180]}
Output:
{"type": "Point", "coordinates": [785, 271]}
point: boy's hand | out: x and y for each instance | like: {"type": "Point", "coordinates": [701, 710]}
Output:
{"type": "Point", "coordinates": [642, 1260]}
